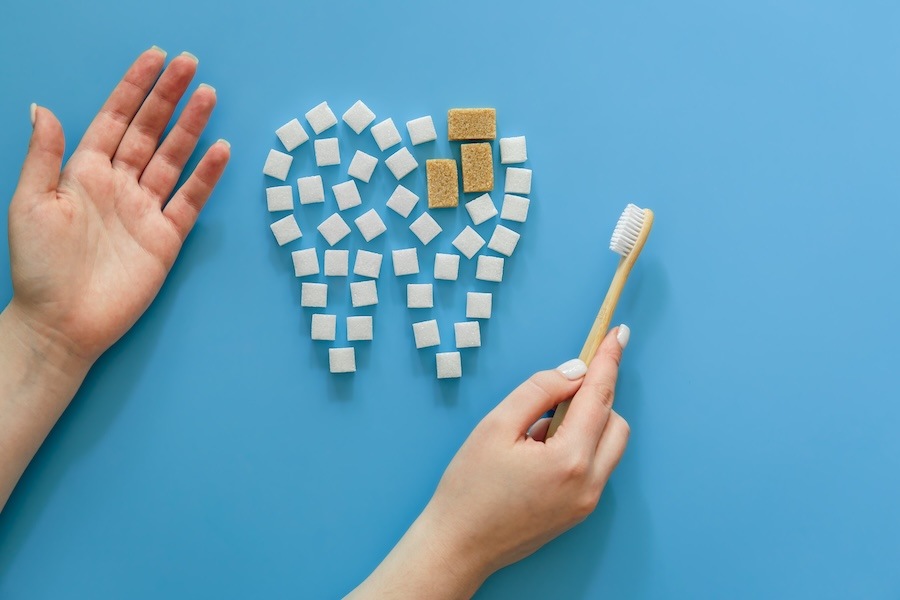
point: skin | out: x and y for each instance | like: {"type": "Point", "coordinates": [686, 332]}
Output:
{"type": "Point", "coordinates": [90, 247]}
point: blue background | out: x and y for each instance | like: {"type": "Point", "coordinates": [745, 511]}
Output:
{"type": "Point", "coordinates": [210, 454]}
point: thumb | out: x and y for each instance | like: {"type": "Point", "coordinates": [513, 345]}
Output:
{"type": "Point", "coordinates": [40, 171]}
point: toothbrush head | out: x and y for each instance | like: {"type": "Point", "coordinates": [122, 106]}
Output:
{"type": "Point", "coordinates": [628, 230]}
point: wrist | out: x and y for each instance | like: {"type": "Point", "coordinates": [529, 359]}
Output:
{"type": "Point", "coordinates": [42, 343]}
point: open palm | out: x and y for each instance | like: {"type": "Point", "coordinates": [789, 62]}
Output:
{"type": "Point", "coordinates": [91, 246]}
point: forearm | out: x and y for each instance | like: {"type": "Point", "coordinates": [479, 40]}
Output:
{"type": "Point", "coordinates": [38, 379]}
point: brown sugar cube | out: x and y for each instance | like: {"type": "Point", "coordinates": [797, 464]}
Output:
{"type": "Point", "coordinates": [443, 183]}
{"type": "Point", "coordinates": [477, 167]}
{"type": "Point", "coordinates": [471, 124]}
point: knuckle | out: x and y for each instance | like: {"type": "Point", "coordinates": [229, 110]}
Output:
{"type": "Point", "coordinates": [605, 393]}
{"type": "Point", "coordinates": [586, 502]}
{"type": "Point", "coordinates": [577, 467]}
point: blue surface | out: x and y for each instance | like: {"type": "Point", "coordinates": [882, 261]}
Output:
{"type": "Point", "coordinates": [210, 454]}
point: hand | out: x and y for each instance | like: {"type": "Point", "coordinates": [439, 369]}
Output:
{"type": "Point", "coordinates": [91, 246]}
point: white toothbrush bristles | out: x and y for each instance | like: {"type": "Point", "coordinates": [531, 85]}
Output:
{"type": "Point", "coordinates": [627, 230]}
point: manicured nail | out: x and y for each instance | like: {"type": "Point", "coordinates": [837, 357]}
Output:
{"type": "Point", "coordinates": [191, 56]}
{"type": "Point", "coordinates": [573, 369]}
{"type": "Point", "coordinates": [207, 86]}
{"type": "Point", "coordinates": [33, 110]}
{"type": "Point", "coordinates": [158, 49]}
{"type": "Point", "coordinates": [223, 141]}
{"type": "Point", "coordinates": [623, 335]}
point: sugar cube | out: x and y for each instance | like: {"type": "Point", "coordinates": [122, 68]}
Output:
{"type": "Point", "coordinates": [421, 130]}
{"type": "Point", "coordinates": [370, 225]}
{"type": "Point", "coordinates": [446, 266]}
{"type": "Point", "coordinates": [386, 134]}
{"type": "Point", "coordinates": [402, 201]}
{"type": "Point", "coordinates": [406, 261]}
{"type": "Point", "coordinates": [419, 295]}
{"type": "Point", "coordinates": [362, 165]}
{"type": "Point", "coordinates": [368, 264]}
{"type": "Point", "coordinates": [401, 163]}
{"type": "Point", "coordinates": [337, 263]}
{"type": "Point", "coordinates": [314, 295]}
{"type": "Point", "coordinates": [346, 194]}
{"type": "Point", "coordinates": [327, 152]}
{"type": "Point", "coordinates": [363, 293]}
{"type": "Point", "coordinates": [512, 150]}
{"type": "Point", "coordinates": [358, 117]}
{"type": "Point", "coordinates": [334, 229]}
{"type": "Point", "coordinates": [323, 327]}
{"type": "Point", "coordinates": [478, 305]}
{"type": "Point", "coordinates": [291, 134]}
{"type": "Point", "coordinates": [342, 360]}
{"type": "Point", "coordinates": [286, 230]}
{"type": "Point", "coordinates": [306, 262]}
{"type": "Point", "coordinates": [425, 228]}
{"type": "Point", "coordinates": [311, 190]}
{"type": "Point", "coordinates": [515, 208]}
{"type": "Point", "coordinates": [490, 268]}
{"type": "Point", "coordinates": [504, 240]}
{"type": "Point", "coordinates": [471, 124]}
{"type": "Point", "coordinates": [321, 118]}
{"type": "Point", "coordinates": [449, 365]}
{"type": "Point", "coordinates": [277, 164]}
{"type": "Point", "coordinates": [443, 183]}
{"type": "Point", "coordinates": [426, 334]}
{"type": "Point", "coordinates": [481, 209]}
{"type": "Point", "coordinates": [280, 197]}
{"type": "Point", "coordinates": [477, 167]}
{"type": "Point", "coordinates": [468, 334]}
{"type": "Point", "coordinates": [359, 329]}
{"type": "Point", "coordinates": [518, 181]}
{"type": "Point", "coordinates": [468, 242]}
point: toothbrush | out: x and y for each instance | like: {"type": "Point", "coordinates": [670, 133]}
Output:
{"type": "Point", "coordinates": [628, 239]}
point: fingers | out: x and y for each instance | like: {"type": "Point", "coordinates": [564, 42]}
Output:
{"type": "Point", "coordinates": [184, 207]}
{"type": "Point", "coordinates": [143, 134]}
{"type": "Point", "coordinates": [611, 447]}
{"type": "Point", "coordinates": [40, 171]}
{"type": "Point", "coordinates": [109, 126]}
{"type": "Point", "coordinates": [164, 169]}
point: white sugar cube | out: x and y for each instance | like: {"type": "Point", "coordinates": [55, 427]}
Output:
{"type": "Point", "coordinates": [386, 134]}
{"type": "Point", "coordinates": [346, 194]}
{"type": "Point", "coordinates": [468, 334]}
{"type": "Point", "coordinates": [481, 209]}
{"type": "Point", "coordinates": [515, 208]}
{"type": "Point", "coordinates": [323, 327]}
{"type": "Point", "coordinates": [468, 242]}
{"type": "Point", "coordinates": [426, 334]}
{"type": "Point", "coordinates": [421, 130]}
{"type": "Point", "coordinates": [361, 166]}
{"type": "Point", "coordinates": [419, 295]}
{"type": "Point", "coordinates": [334, 229]}
{"type": "Point", "coordinates": [401, 163]}
{"type": "Point", "coordinates": [446, 266]}
{"type": "Point", "coordinates": [358, 117]}
{"type": "Point", "coordinates": [328, 152]}
{"type": "Point", "coordinates": [314, 295]}
{"type": "Point", "coordinates": [490, 268]}
{"type": "Point", "coordinates": [478, 305]}
{"type": "Point", "coordinates": [406, 261]}
{"type": "Point", "coordinates": [342, 360]}
{"type": "Point", "coordinates": [321, 118]}
{"type": "Point", "coordinates": [449, 365]}
{"type": "Point", "coordinates": [368, 264]}
{"type": "Point", "coordinates": [518, 181]}
{"type": "Point", "coordinates": [402, 201]}
{"type": "Point", "coordinates": [359, 329]}
{"type": "Point", "coordinates": [306, 262]}
{"type": "Point", "coordinates": [504, 240]}
{"type": "Point", "coordinates": [280, 197]}
{"type": "Point", "coordinates": [337, 263]}
{"type": "Point", "coordinates": [512, 150]}
{"type": "Point", "coordinates": [363, 293]}
{"type": "Point", "coordinates": [291, 134]}
{"type": "Point", "coordinates": [370, 225]}
{"type": "Point", "coordinates": [425, 228]}
{"type": "Point", "coordinates": [311, 190]}
{"type": "Point", "coordinates": [286, 230]}
{"type": "Point", "coordinates": [277, 164]}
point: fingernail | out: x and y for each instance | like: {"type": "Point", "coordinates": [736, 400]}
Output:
{"type": "Point", "coordinates": [573, 369]}
{"type": "Point", "coordinates": [33, 110]}
{"type": "Point", "coordinates": [191, 56]}
{"type": "Point", "coordinates": [158, 49]}
{"type": "Point", "coordinates": [224, 141]}
{"type": "Point", "coordinates": [623, 335]}
{"type": "Point", "coordinates": [207, 86]}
